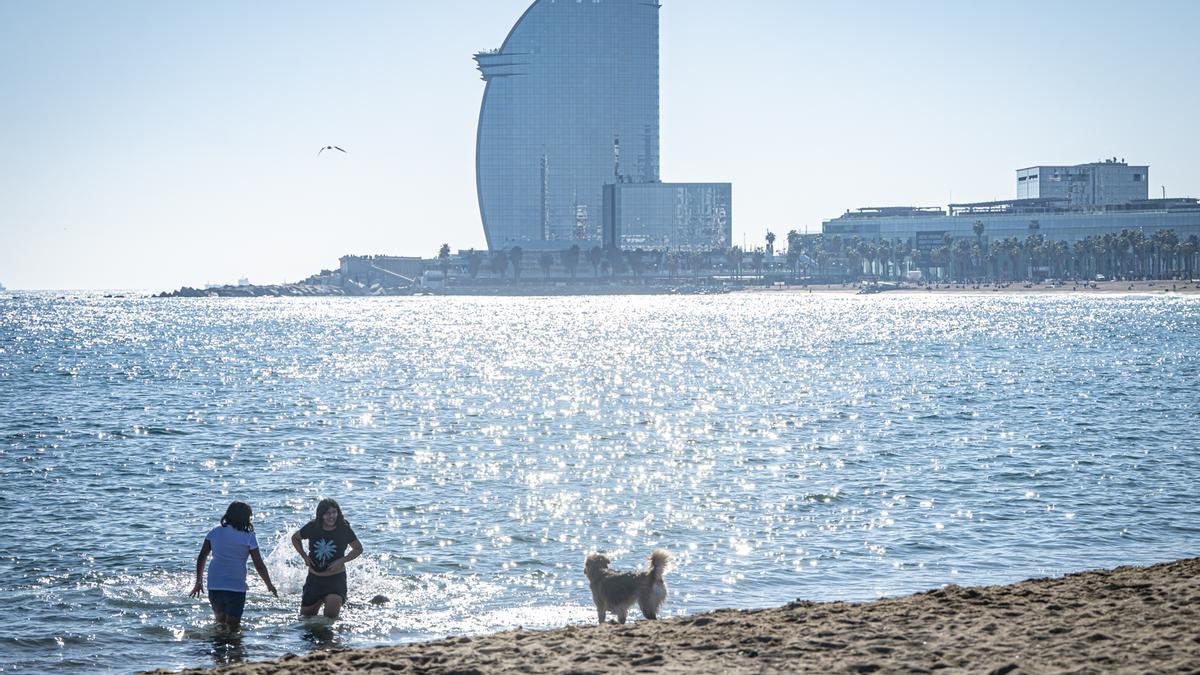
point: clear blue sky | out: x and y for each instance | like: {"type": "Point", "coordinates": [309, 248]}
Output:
{"type": "Point", "coordinates": [151, 144]}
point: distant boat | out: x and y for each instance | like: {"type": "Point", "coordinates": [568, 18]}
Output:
{"type": "Point", "coordinates": [2, 288]}
{"type": "Point", "coordinates": [878, 287]}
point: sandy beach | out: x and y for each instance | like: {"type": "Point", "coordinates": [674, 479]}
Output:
{"type": "Point", "coordinates": [1164, 288]}
{"type": "Point", "coordinates": [1131, 619]}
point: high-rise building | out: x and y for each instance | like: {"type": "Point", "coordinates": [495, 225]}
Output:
{"type": "Point", "coordinates": [571, 105]}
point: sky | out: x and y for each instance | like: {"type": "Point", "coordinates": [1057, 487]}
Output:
{"type": "Point", "coordinates": [151, 145]}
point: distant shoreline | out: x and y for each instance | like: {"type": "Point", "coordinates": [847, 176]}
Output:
{"type": "Point", "coordinates": [534, 289]}
{"type": "Point", "coordinates": [1131, 619]}
{"type": "Point", "coordinates": [1095, 288]}
{"type": "Point", "coordinates": [1111, 288]}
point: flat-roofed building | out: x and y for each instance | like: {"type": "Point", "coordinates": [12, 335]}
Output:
{"type": "Point", "coordinates": [668, 216]}
{"type": "Point", "coordinates": [1108, 183]}
{"type": "Point", "coordinates": [1060, 203]}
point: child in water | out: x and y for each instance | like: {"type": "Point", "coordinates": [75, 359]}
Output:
{"type": "Point", "coordinates": [230, 544]}
{"type": "Point", "coordinates": [328, 535]}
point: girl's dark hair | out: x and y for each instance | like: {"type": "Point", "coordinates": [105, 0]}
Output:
{"type": "Point", "coordinates": [238, 516]}
{"type": "Point", "coordinates": [326, 504]}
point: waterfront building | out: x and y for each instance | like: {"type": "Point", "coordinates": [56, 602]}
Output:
{"type": "Point", "coordinates": [385, 270]}
{"type": "Point", "coordinates": [1059, 203]}
{"type": "Point", "coordinates": [1107, 183]}
{"type": "Point", "coordinates": [668, 216]}
{"type": "Point", "coordinates": [571, 105]}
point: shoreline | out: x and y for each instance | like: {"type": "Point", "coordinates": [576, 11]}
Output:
{"type": "Point", "coordinates": [1124, 619]}
{"type": "Point", "coordinates": [1098, 288]}
{"type": "Point", "coordinates": [536, 289]}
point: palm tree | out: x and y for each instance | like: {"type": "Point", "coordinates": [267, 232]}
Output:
{"type": "Point", "coordinates": [1035, 250]}
{"type": "Point", "coordinates": [546, 262]}
{"type": "Point", "coordinates": [795, 240]}
{"type": "Point", "coordinates": [570, 259]}
{"type": "Point", "coordinates": [1168, 246]}
{"type": "Point", "coordinates": [1059, 252]}
{"type": "Point", "coordinates": [500, 263]}
{"type": "Point", "coordinates": [444, 261]}
{"type": "Point", "coordinates": [1080, 250]}
{"type": "Point", "coordinates": [514, 256]}
{"type": "Point", "coordinates": [595, 257]}
{"type": "Point", "coordinates": [901, 250]}
{"type": "Point", "coordinates": [757, 257]}
{"type": "Point", "coordinates": [636, 262]}
{"type": "Point", "coordinates": [672, 264]}
{"type": "Point", "coordinates": [1188, 250]}
{"type": "Point", "coordinates": [615, 259]}
{"type": "Point", "coordinates": [888, 253]}
{"type": "Point", "coordinates": [939, 255]}
{"type": "Point", "coordinates": [978, 228]}
{"type": "Point", "coordinates": [474, 261]}
{"type": "Point", "coordinates": [1013, 246]}
{"type": "Point", "coordinates": [731, 259]}
{"type": "Point", "coordinates": [770, 242]}
{"type": "Point", "coordinates": [1110, 247]}
{"type": "Point", "coordinates": [962, 254]}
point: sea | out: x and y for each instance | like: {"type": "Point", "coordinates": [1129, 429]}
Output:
{"type": "Point", "coordinates": [780, 446]}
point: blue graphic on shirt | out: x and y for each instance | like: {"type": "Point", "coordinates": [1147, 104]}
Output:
{"type": "Point", "coordinates": [324, 549]}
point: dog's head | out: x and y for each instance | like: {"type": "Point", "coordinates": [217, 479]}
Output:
{"type": "Point", "coordinates": [596, 564]}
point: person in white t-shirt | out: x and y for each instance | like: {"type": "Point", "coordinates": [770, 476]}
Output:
{"type": "Point", "coordinates": [230, 544]}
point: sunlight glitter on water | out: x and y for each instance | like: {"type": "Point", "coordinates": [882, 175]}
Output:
{"type": "Point", "coordinates": [779, 446]}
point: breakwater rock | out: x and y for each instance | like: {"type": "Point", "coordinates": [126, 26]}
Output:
{"type": "Point", "coordinates": [284, 291]}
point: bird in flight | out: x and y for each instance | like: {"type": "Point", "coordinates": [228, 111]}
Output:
{"type": "Point", "coordinates": [329, 147]}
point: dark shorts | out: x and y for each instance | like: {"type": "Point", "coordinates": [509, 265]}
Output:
{"type": "Point", "coordinates": [228, 603]}
{"type": "Point", "coordinates": [316, 588]}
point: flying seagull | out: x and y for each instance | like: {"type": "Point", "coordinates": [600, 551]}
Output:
{"type": "Point", "coordinates": [329, 147]}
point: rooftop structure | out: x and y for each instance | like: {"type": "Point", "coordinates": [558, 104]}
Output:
{"type": "Point", "coordinates": [1106, 183]}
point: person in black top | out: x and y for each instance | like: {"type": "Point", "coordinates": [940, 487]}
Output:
{"type": "Point", "coordinates": [328, 537]}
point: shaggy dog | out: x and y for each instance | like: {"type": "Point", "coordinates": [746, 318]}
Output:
{"type": "Point", "coordinates": [617, 591]}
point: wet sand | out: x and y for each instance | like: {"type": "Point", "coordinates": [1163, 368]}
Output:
{"type": "Point", "coordinates": [1126, 620]}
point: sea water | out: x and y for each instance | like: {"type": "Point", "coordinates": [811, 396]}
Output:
{"type": "Point", "coordinates": [780, 446]}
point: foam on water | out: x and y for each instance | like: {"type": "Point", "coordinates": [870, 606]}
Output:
{"type": "Point", "coordinates": [780, 446]}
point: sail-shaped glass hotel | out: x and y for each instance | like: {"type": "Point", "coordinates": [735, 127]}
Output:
{"type": "Point", "coordinates": [571, 105]}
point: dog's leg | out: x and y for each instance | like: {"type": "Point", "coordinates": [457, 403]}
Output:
{"type": "Point", "coordinates": [650, 600]}
{"type": "Point", "coordinates": [601, 615]}
{"type": "Point", "coordinates": [621, 613]}
{"type": "Point", "coordinates": [646, 604]}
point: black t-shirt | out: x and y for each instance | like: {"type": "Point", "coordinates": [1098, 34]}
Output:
{"type": "Point", "coordinates": [325, 546]}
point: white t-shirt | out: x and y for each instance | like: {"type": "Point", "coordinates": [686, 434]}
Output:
{"type": "Point", "coordinates": [230, 548]}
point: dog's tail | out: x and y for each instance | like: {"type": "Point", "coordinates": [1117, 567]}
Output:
{"type": "Point", "coordinates": [596, 563]}
{"type": "Point", "coordinates": [658, 563]}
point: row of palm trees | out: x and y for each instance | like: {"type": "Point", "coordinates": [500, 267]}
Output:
{"type": "Point", "coordinates": [609, 262]}
{"type": "Point", "coordinates": [1127, 254]}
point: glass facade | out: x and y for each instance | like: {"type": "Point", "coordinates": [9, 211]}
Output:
{"type": "Point", "coordinates": [1069, 227]}
{"type": "Point", "coordinates": [571, 104]}
{"type": "Point", "coordinates": [669, 216]}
